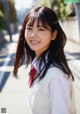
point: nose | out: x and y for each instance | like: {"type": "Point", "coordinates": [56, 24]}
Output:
{"type": "Point", "coordinates": [34, 34]}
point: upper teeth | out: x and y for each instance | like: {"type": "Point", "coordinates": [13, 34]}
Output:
{"type": "Point", "coordinates": [34, 41]}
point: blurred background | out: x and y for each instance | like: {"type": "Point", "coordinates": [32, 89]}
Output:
{"type": "Point", "coordinates": [13, 92]}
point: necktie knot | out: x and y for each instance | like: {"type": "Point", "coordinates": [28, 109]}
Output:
{"type": "Point", "coordinates": [33, 72]}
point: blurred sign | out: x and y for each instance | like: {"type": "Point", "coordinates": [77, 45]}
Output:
{"type": "Point", "coordinates": [71, 0]}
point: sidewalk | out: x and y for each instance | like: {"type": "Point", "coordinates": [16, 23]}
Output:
{"type": "Point", "coordinates": [13, 97]}
{"type": "Point", "coordinates": [72, 50]}
{"type": "Point", "coordinates": [14, 94]}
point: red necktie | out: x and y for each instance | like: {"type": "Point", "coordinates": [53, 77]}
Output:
{"type": "Point", "coordinates": [33, 71]}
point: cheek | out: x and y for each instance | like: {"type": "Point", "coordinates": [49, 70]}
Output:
{"type": "Point", "coordinates": [47, 37]}
{"type": "Point", "coordinates": [26, 35]}
{"type": "Point", "coordinates": [41, 33]}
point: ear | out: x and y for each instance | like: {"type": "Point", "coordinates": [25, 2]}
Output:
{"type": "Point", "coordinates": [54, 34]}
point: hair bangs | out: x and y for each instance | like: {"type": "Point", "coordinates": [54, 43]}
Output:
{"type": "Point", "coordinates": [39, 16]}
{"type": "Point", "coordinates": [43, 21]}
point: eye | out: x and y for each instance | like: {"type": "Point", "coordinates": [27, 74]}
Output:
{"type": "Point", "coordinates": [28, 28]}
{"type": "Point", "coordinates": [41, 29]}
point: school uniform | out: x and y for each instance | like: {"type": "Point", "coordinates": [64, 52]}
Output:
{"type": "Point", "coordinates": [54, 94]}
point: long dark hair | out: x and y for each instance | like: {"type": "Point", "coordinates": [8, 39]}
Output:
{"type": "Point", "coordinates": [55, 52]}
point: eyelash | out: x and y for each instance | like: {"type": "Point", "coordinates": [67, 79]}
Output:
{"type": "Point", "coordinates": [39, 29]}
{"type": "Point", "coordinates": [29, 28]}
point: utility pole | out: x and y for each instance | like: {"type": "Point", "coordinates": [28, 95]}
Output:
{"type": "Point", "coordinates": [77, 9]}
{"type": "Point", "coordinates": [7, 16]}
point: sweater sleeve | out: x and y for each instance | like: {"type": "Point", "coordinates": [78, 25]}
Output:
{"type": "Point", "coordinates": [59, 94]}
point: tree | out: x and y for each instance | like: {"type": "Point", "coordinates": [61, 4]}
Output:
{"type": "Point", "coordinates": [7, 16]}
{"type": "Point", "coordinates": [58, 6]}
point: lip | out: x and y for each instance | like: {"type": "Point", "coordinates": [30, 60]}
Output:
{"type": "Point", "coordinates": [35, 42]}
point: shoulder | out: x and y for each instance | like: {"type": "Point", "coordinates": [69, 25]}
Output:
{"type": "Point", "coordinates": [58, 78]}
{"type": "Point", "coordinates": [56, 72]}
{"type": "Point", "coordinates": [55, 78]}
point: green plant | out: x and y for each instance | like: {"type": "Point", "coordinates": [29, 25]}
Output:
{"type": "Point", "coordinates": [12, 11]}
{"type": "Point", "coordinates": [62, 9]}
{"type": "Point", "coordinates": [44, 3]}
{"type": "Point", "coordinates": [2, 20]}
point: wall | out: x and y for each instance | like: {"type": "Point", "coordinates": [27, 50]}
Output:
{"type": "Point", "coordinates": [71, 30]}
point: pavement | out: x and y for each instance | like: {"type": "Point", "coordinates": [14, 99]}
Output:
{"type": "Point", "coordinates": [72, 50]}
{"type": "Point", "coordinates": [14, 92]}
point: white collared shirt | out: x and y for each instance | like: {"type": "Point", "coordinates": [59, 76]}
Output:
{"type": "Point", "coordinates": [53, 94]}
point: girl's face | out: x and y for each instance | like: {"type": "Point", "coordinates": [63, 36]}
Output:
{"type": "Point", "coordinates": [37, 37]}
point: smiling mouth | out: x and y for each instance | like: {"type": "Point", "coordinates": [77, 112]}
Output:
{"type": "Point", "coordinates": [35, 42]}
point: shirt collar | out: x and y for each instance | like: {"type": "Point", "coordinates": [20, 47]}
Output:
{"type": "Point", "coordinates": [36, 63]}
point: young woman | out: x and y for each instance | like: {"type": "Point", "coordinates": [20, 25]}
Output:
{"type": "Point", "coordinates": [42, 42]}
